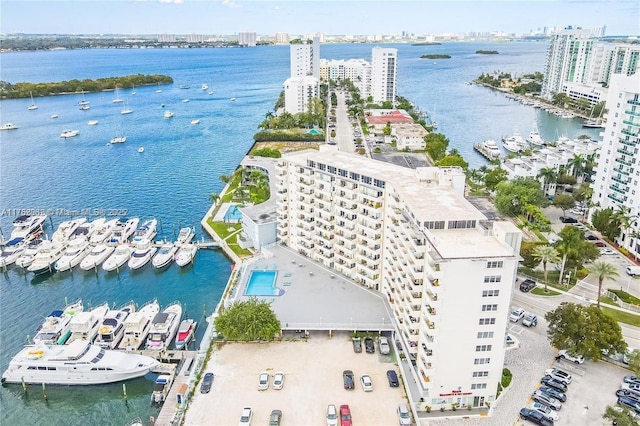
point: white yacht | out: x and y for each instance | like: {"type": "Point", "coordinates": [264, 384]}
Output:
{"type": "Point", "coordinates": [120, 256]}
{"type": "Point", "coordinates": [123, 230]}
{"type": "Point", "coordinates": [186, 254]}
{"type": "Point", "coordinates": [92, 122]}
{"type": "Point", "coordinates": [515, 140]}
{"type": "Point", "coordinates": [118, 139]}
{"type": "Point", "coordinates": [185, 235]}
{"type": "Point", "coordinates": [66, 228]}
{"type": "Point", "coordinates": [161, 388]}
{"type": "Point", "coordinates": [168, 114]}
{"type": "Point", "coordinates": [142, 254]}
{"type": "Point", "coordinates": [55, 328]}
{"type": "Point", "coordinates": [96, 256]}
{"type": "Point", "coordinates": [84, 325]}
{"type": "Point", "coordinates": [29, 253]}
{"type": "Point", "coordinates": [164, 327]}
{"type": "Point", "coordinates": [491, 148]}
{"type": "Point", "coordinates": [8, 126]}
{"type": "Point", "coordinates": [103, 232]}
{"type": "Point", "coordinates": [165, 255]}
{"type": "Point", "coordinates": [195, 121]}
{"type": "Point", "coordinates": [511, 146]}
{"type": "Point", "coordinates": [112, 327]}
{"type": "Point", "coordinates": [77, 250]}
{"type": "Point", "coordinates": [534, 137]}
{"type": "Point", "coordinates": [49, 253]}
{"type": "Point", "coordinates": [12, 251]}
{"type": "Point", "coordinates": [137, 325]}
{"type": "Point", "coordinates": [79, 363]}
{"type": "Point", "coordinates": [26, 225]}
{"type": "Point", "coordinates": [185, 100]}
{"type": "Point", "coordinates": [85, 230]}
{"type": "Point", "coordinates": [54, 115]}
{"type": "Point", "coordinates": [204, 87]}
{"type": "Point", "coordinates": [186, 332]}
{"type": "Point", "coordinates": [146, 231]}
{"type": "Point", "coordinates": [69, 133]}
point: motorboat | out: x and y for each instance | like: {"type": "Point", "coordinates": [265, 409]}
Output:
{"type": "Point", "coordinates": [30, 251]}
{"type": "Point", "coordinates": [491, 148]}
{"type": "Point", "coordinates": [85, 325]}
{"type": "Point", "coordinates": [186, 254]}
{"type": "Point", "coordinates": [123, 230]}
{"type": "Point", "coordinates": [511, 146]}
{"type": "Point", "coordinates": [141, 150]}
{"type": "Point", "coordinates": [84, 108]}
{"type": "Point", "coordinates": [146, 231]}
{"type": "Point", "coordinates": [593, 123]}
{"type": "Point", "coordinates": [137, 325]}
{"type": "Point", "coordinates": [26, 225]}
{"type": "Point", "coordinates": [112, 328]}
{"type": "Point", "coordinates": [165, 255]}
{"type": "Point", "coordinates": [92, 123]}
{"type": "Point", "coordinates": [12, 251]}
{"type": "Point", "coordinates": [103, 232]}
{"type": "Point", "coordinates": [85, 230]}
{"type": "Point", "coordinates": [184, 101]}
{"type": "Point", "coordinates": [186, 331]}
{"type": "Point", "coordinates": [141, 255]}
{"type": "Point", "coordinates": [69, 133]}
{"type": "Point", "coordinates": [184, 86]}
{"type": "Point", "coordinates": [80, 363]}
{"type": "Point", "coordinates": [195, 121]}
{"type": "Point", "coordinates": [204, 87]}
{"type": "Point", "coordinates": [185, 235]}
{"type": "Point", "coordinates": [76, 251]}
{"type": "Point", "coordinates": [67, 228]}
{"type": "Point", "coordinates": [164, 327]}
{"type": "Point", "coordinates": [118, 139]}
{"type": "Point", "coordinates": [120, 256]}
{"type": "Point", "coordinates": [47, 256]}
{"type": "Point", "coordinates": [8, 126]}
{"type": "Point", "coordinates": [55, 328]}
{"type": "Point", "coordinates": [96, 256]}
{"type": "Point", "coordinates": [534, 137]}
{"type": "Point", "coordinates": [168, 114]}
{"type": "Point", "coordinates": [161, 388]}
{"type": "Point", "coordinates": [54, 115]}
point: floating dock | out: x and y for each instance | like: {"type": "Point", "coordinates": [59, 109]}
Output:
{"type": "Point", "coordinates": [176, 395]}
{"type": "Point", "coordinates": [485, 152]}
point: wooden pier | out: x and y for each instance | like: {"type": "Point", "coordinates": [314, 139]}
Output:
{"type": "Point", "coordinates": [485, 152]}
{"type": "Point", "coordinates": [178, 390]}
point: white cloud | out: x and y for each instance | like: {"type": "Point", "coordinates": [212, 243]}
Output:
{"type": "Point", "coordinates": [229, 3]}
{"type": "Point", "coordinates": [172, 1]}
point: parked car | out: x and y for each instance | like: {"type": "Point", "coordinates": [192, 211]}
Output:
{"type": "Point", "coordinates": [263, 381]}
{"type": "Point", "coordinates": [345, 415]}
{"type": "Point", "coordinates": [392, 377]}
{"type": "Point", "coordinates": [606, 251]}
{"type": "Point", "coordinates": [530, 320]}
{"type": "Point", "coordinates": [527, 285]}
{"type": "Point", "coordinates": [369, 346]}
{"type": "Point", "coordinates": [547, 400]}
{"type": "Point", "coordinates": [383, 345]}
{"type": "Point", "coordinates": [207, 381]}
{"type": "Point", "coordinates": [404, 416]}
{"type": "Point", "coordinates": [630, 378]}
{"type": "Point", "coordinates": [578, 359]}
{"type": "Point", "coordinates": [535, 417]}
{"type": "Point", "coordinates": [559, 375]}
{"type": "Point", "coordinates": [247, 415]}
{"type": "Point", "coordinates": [629, 394]}
{"type": "Point", "coordinates": [278, 380]}
{"type": "Point", "coordinates": [600, 244]}
{"type": "Point", "coordinates": [568, 219]}
{"type": "Point", "coordinates": [347, 378]}
{"type": "Point", "coordinates": [629, 403]}
{"type": "Point", "coordinates": [548, 412]}
{"type": "Point", "coordinates": [367, 385]}
{"type": "Point", "coordinates": [516, 315]}
{"type": "Point", "coordinates": [332, 415]}
{"type": "Point", "coordinates": [554, 393]}
{"type": "Point", "coordinates": [590, 237]}
{"type": "Point", "coordinates": [556, 384]}
{"type": "Point", "coordinates": [275, 418]}
{"type": "Point", "coordinates": [357, 344]}
{"type": "Point", "coordinates": [630, 386]}
{"type": "Point", "coordinates": [633, 270]}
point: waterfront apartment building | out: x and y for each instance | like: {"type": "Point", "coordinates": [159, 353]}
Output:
{"type": "Point", "coordinates": [384, 73]}
{"type": "Point", "coordinates": [304, 59]}
{"type": "Point", "coordinates": [247, 39]}
{"type": "Point", "coordinates": [166, 38]}
{"type": "Point", "coordinates": [298, 93]}
{"type": "Point", "coordinates": [618, 172]}
{"type": "Point", "coordinates": [282, 38]}
{"type": "Point", "coordinates": [358, 71]}
{"type": "Point", "coordinates": [444, 269]}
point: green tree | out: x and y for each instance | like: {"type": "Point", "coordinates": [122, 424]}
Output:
{"type": "Point", "coordinates": [548, 175]}
{"type": "Point", "coordinates": [512, 196]}
{"type": "Point", "coordinates": [387, 129]}
{"type": "Point", "coordinates": [583, 193]}
{"type": "Point", "coordinates": [564, 202]}
{"type": "Point", "coordinates": [224, 178]}
{"type": "Point", "coordinates": [248, 320]}
{"type": "Point", "coordinates": [584, 330]}
{"type": "Point", "coordinates": [546, 254]}
{"type": "Point", "coordinates": [619, 416]}
{"type": "Point", "coordinates": [526, 251]}
{"type": "Point", "coordinates": [561, 99]}
{"type": "Point", "coordinates": [602, 270]}
{"type": "Point", "coordinates": [436, 145]}
{"type": "Point", "coordinates": [214, 197]}
{"type": "Point", "coordinates": [453, 160]}
{"type": "Point", "coordinates": [634, 362]}
{"type": "Point", "coordinates": [607, 223]}
{"type": "Point", "coordinates": [575, 250]}
{"type": "Point", "coordinates": [576, 165]}
{"type": "Point", "coordinates": [493, 177]}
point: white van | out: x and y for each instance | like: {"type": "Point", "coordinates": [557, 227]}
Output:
{"type": "Point", "coordinates": [633, 270]}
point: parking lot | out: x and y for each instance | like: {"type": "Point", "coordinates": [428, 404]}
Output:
{"type": "Point", "coordinates": [313, 379]}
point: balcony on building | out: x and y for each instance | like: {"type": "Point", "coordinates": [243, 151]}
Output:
{"type": "Point", "coordinates": [427, 351]}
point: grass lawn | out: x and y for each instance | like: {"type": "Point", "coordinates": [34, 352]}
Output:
{"type": "Point", "coordinates": [608, 301]}
{"type": "Point", "coordinates": [620, 316]}
{"type": "Point", "coordinates": [553, 276]}
{"type": "Point", "coordinates": [626, 297]}
{"type": "Point", "coordinates": [226, 229]}
{"type": "Point", "coordinates": [539, 291]}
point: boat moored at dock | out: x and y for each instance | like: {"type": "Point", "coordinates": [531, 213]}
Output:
{"type": "Point", "coordinates": [111, 330]}
{"type": "Point", "coordinates": [142, 254]}
{"type": "Point", "coordinates": [47, 256]}
{"type": "Point", "coordinates": [186, 254]}
{"type": "Point", "coordinates": [85, 325]}
{"type": "Point", "coordinates": [12, 251]}
{"type": "Point", "coordinates": [55, 328]}
{"type": "Point", "coordinates": [165, 255]}
{"type": "Point", "coordinates": [164, 327]}
{"type": "Point", "coordinates": [119, 257]}
{"type": "Point", "coordinates": [123, 230]}
{"type": "Point", "coordinates": [26, 225]}
{"type": "Point", "coordinates": [67, 228]}
{"type": "Point", "coordinates": [186, 331]}
{"type": "Point", "coordinates": [96, 256]}
{"type": "Point", "coordinates": [77, 250]}
{"type": "Point", "coordinates": [137, 325]}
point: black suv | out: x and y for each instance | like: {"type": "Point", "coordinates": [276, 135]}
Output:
{"type": "Point", "coordinates": [527, 285]}
{"type": "Point", "coordinates": [535, 417]}
{"type": "Point", "coordinates": [369, 346]}
{"type": "Point", "coordinates": [207, 380]}
{"type": "Point", "coordinates": [347, 378]}
{"type": "Point", "coordinates": [393, 378]}
{"type": "Point", "coordinates": [568, 219]}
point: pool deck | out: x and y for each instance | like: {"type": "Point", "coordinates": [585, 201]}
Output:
{"type": "Point", "coordinates": [222, 211]}
{"type": "Point", "coordinates": [316, 298]}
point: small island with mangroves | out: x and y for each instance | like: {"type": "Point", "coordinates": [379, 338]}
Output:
{"type": "Point", "coordinates": [486, 52]}
{"type": "Point", "coordinates": [24, 90]}
{"type": "Point", "coordinates": [434, 56]}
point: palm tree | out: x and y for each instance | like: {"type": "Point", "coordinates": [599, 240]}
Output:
{"type": "Point", "coordinates": [546, 254]}
{"type": "Point", "coordinates": [577, 164]}
{"type": "Point", "coordinates": [602, 270]}
{"type": "Point", "coordinates": [548, 176]}
{"type": "Point", "coordinates": [214, 197]}
{"type": "Point", "coordinates": [570, 243]}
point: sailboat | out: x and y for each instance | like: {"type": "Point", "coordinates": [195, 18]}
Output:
{"type": "Point", "coordinates": [594, 122]}
{"type": "Point", "coordinates": [133, 89]}
{"type": "Point", "coordinates": [126, 109]}
{"type": "Point", "coordinates": [83, 101]}
{"type": "Point", "coordinates": [158, 90]}
{"type": "Point", "coordinates": [33, 104]}
{"type": "Point", "coordinates": [117, 99]}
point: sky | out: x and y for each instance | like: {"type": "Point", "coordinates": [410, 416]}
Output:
{"type": "Point", "coordinates": [389, 17]}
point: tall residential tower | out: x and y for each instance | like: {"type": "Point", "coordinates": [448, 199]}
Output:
{"type": "Point", "coordinates": [384, 70]}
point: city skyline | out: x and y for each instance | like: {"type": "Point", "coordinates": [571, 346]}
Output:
{"type": "Point", "coordinates": [297, 17]}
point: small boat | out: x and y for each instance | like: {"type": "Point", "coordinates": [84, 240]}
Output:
{"type": "Point", "coordinates": [168, 114]}
{"type": "Point", "coordinates": [184, 101]}
{"type": "Point", "coordinates": [84, 107]}
{"type": "Point", "coordinates": [186, 254]}
{"type": "Point", "coordinates": [514, 142]}
{"type": "Point", "coordinates": [55, 328]}
{"type": "Point", "coordinates": [26, 225]}
{"type": "Point", "coordinates": [186, 331]}
{"type": "Point", "coordinates": [83, 101]}
{"type": "Point", "coordinates": [146, 231]}
{"type": "Point", "coordinates": [76, 251]}
{"type": "Point", "coordinates": [133, 89]}
{"type": "Point", "coordinates": [85, 325]}
{"type": "Point", "coordinates": [117, 99]}
{"type": "Point", "coordinates": [69, 133]}
{"type": "Point", "coordinates": [211, 92]}
{"type": "Point", "coordinates": [534, 137]}
{"type": "Point", "coordinates": [123, 230]}
{"type": "Point", "coordinates": [185, 235]}
{"type": "Point", "coordinates": [54, 115]}
{"type": "Point", "coordinates": [8, 126]}
{"type": "Point", "coordinates": [12, 251]}
{"type": "Point", "coordinates": [204, 87]}
{"type": "Point", "coordinates": [196, 121]}
{"type": "Point", "coordinates": [184, 86]}
{"type": "Point", "coordinates": [96, 256]}
{"type": "Point", "coordinates": [232, 99]}
{"type": "Point", "coordinates": [33, 105]}
{"type": "Point", "coordinates": [511, 146]}
{"type": "Point", "coordinates": [103, 232]}
{"type": "Point", "coordinates": [47, 256]}
{"type": "Point", "coordinates": [126, 110]}
{"type": "Point", "coordinates": [161, 388]}
{"type": "Point", "coordinates": [594, 123]}
{"type": "Point", "coordinates": [164, 256]}
{"type": "Point", "coordinates": [120, 256]}
{"type": "Point", "coordinates": [92, 122]}
{"type": "Point", "coordinates": [111, 330]}
{"type": "Point", "coordinates": [158, 90]}
{"type": "Point", "coordinates": [141, 150]}
{"type": "Point", "coordinates": [66, 228]}
{"type": "Point", "coordinates": [118, 139]}
{"type": "Point", "coordinates": [142, 254]}
{"type": "Point", "coordinates": [137, 325]}
{"type": "Point", "coordinates": [29, 253]}
{"type": "Point", "coordinates": [164, 327]}
{"type": "Point", "coordinates": [86, 229]}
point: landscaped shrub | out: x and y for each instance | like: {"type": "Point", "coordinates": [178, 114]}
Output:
{"type": "Point", "coordinates": [506, 377]}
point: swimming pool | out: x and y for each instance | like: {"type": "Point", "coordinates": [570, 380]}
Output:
{"type": "Point", "coordinates": [262, 283]}
{"type": "Point", "coordinates": [233, 213]}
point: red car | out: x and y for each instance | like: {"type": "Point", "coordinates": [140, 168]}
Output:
{"type": "Point", "coordinates": [345, 415]}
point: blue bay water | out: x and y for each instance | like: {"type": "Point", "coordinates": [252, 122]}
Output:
{"type": "Point", "coordinates": [180, 167]}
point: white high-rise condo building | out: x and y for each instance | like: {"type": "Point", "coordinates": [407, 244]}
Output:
{"type": "Point", "coordinates": [305, 59]}
{"type": "Point", "coordinates": [445, 270]}
{"type": "Point", "coordinates": [166, 37]}
{"type": "Point", "coordinates": [358, 71]}
{"type": "Point", "coordinates": [247, 39]}
{"type": "Point", "coordinates": [282, 38]}
{"type": "Point", "coordinates": [384, 68]}
{"type": "Point", "coordinates": [298, 93]}
{"type": "Point", "coordinates": [616, 180]}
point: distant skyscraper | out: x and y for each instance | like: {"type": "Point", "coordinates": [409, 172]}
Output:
{"type": "Point", "coordinates": [247, 39]}
{"type": "Point", "coordinates": [305, 59]}
{"type": "Point", "coordinates": [384, 66]}
{"type": "Point", "coordinates": [195, 38]}
{"type": "Point", "coordinates": [166, 38]}
{"type": "Point", "coordinates": [282, 38]}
